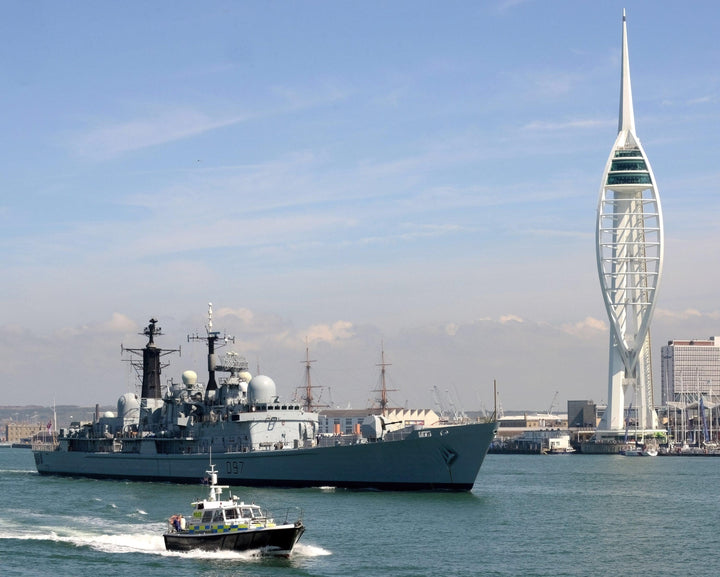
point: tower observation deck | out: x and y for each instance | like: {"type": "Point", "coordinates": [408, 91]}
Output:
{"type": "Point", "coordinates": [629, 243]}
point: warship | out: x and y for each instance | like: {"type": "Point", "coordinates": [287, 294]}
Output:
{"type": "Point", "coordinates": [255, 438]}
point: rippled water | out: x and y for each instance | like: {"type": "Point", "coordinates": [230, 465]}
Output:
{"type": "Point", "coordinates": [527, 515]}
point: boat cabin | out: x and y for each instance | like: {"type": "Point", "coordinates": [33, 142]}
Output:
{"type": "Point", "coordinates": [227, 512]}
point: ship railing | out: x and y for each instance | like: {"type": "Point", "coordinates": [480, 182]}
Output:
{"type": "Point", "coordinates": [353, 439]}
{"type": "Point", "coordinates": [115, 447]}
{"type": "Point", "coordinates": [45, 446]}
{"type": "Point", "coordinates": [290, 515]}
{"type": "Point", "coordinates": [398, 435]}
{"type": "Point", "coordinates": [270, 518]}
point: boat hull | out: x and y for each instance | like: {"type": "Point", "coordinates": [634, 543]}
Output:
{"type": "Point", "coordinates": [443, 458]}
{"type": "Point", "coordinates": [272, 540]}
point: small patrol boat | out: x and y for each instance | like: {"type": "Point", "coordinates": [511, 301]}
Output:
{"type": "Point", "coordinates": [231, 525]}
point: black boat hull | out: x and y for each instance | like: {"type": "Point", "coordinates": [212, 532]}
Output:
{"type": "Point", "coordinates": [271, 540]}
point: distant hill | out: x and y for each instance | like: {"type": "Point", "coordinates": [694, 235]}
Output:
{"type": "Point", "coordinates": [43, 415]}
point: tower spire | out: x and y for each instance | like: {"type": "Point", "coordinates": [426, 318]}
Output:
{"type": "Point", "coordinates": [626, 119]}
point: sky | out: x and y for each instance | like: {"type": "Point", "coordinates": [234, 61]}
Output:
{"type": "Point", "coordinates": [410, 176]}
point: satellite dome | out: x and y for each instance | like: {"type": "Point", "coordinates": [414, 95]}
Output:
{"type": "Point", "coordinates": [189, 378]}
{"type": "Point", "coordinates": [244, 376]}
{"type": "Point", "coordinates": [261, 390]}
{"type": "Point", "coordinates": [127, 405]}
{"type": "Point", "coordinates": [109, 415]}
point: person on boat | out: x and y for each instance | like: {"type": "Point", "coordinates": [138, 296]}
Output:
{"type": "Point", "coordinates": [175, 522]}
{"type": "Point", "coordinates": [182, 523]}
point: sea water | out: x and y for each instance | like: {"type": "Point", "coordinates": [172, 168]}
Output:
{"type": "Point", "coordinates": [528, 515]}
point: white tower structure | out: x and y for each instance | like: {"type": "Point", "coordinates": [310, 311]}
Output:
{"type": "Point", "coordinates": [629, 242]}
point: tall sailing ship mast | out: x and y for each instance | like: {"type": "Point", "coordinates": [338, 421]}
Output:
{"type": "Point", "coordinates": [383, 390]}
{"type": "Point", "coordinates": [308, 398]}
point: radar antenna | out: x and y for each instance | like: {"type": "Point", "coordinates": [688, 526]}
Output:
{"type": "Point", "coordinates": [211, 338]}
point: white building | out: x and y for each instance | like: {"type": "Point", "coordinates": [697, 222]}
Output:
{"type": "Point", "coordinates": [690, 368]}
{"type": "Point", "coordinates": [629, 243]}
{"type": "Point", "coordinates": [349, 421]}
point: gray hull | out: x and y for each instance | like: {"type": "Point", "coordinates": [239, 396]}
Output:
{"type": "Point", "coordinates": [443, 458]}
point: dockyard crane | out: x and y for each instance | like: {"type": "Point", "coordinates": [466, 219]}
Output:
{"type": "Point", "coordinates": [552, 403]}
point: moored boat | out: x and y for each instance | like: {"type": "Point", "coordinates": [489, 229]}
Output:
{"type": "Point", "coordinates": [640, 451]}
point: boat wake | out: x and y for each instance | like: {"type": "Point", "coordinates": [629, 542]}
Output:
{"type": "Point", "coordinates": [148, 543]}
{"type": "Point", "coordinates": [305, 550]}
{"type": "Point", "coordinates": [125, 543]}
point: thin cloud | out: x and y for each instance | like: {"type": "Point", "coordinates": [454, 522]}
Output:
{"type": "Point", "coordinates": [414, 232]}
{"type": "Point", "coordinates": [549, 233]}
{"type": "Point", "coordinates": [703, 100]}
{"type": "Point", "coordinates": [117, 138]}
{"type": "Point", "coordinates": [545, 126]}
{"type": "Point", "coordinates": [171, 124]}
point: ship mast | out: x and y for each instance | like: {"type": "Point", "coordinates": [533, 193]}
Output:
{"type": "Point", "coordinates": [211, 338]}
{"type": "Point", "coordinates": [150, 369]}
{"type": "Point", "coordinates": [309, 404]}
{"type": "Point", "coordinates": [151, 366]}
{"type": "Point", "coordinates": [383, 386]}
{"type": "Point", "coordinates": [308, 383]}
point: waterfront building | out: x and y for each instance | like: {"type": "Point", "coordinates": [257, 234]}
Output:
{"type": "Point", "coordinates": [691, 391]}
{"type": "Point", "coordinates": [16, 432]}
{"type": "Point", "coordinates": [582, 414]}
{"type": "Point", "coordinates": [689, 369]}
{"type": "Point", "coordinates": [349, 421]}
{"type": "Point", "coordinates": [629, 251]}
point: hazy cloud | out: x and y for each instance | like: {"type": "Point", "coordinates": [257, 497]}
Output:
{"type": "Point", "coordinates": [589, 325]}
{"type": "Point", "coordinates": [339, 330]}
